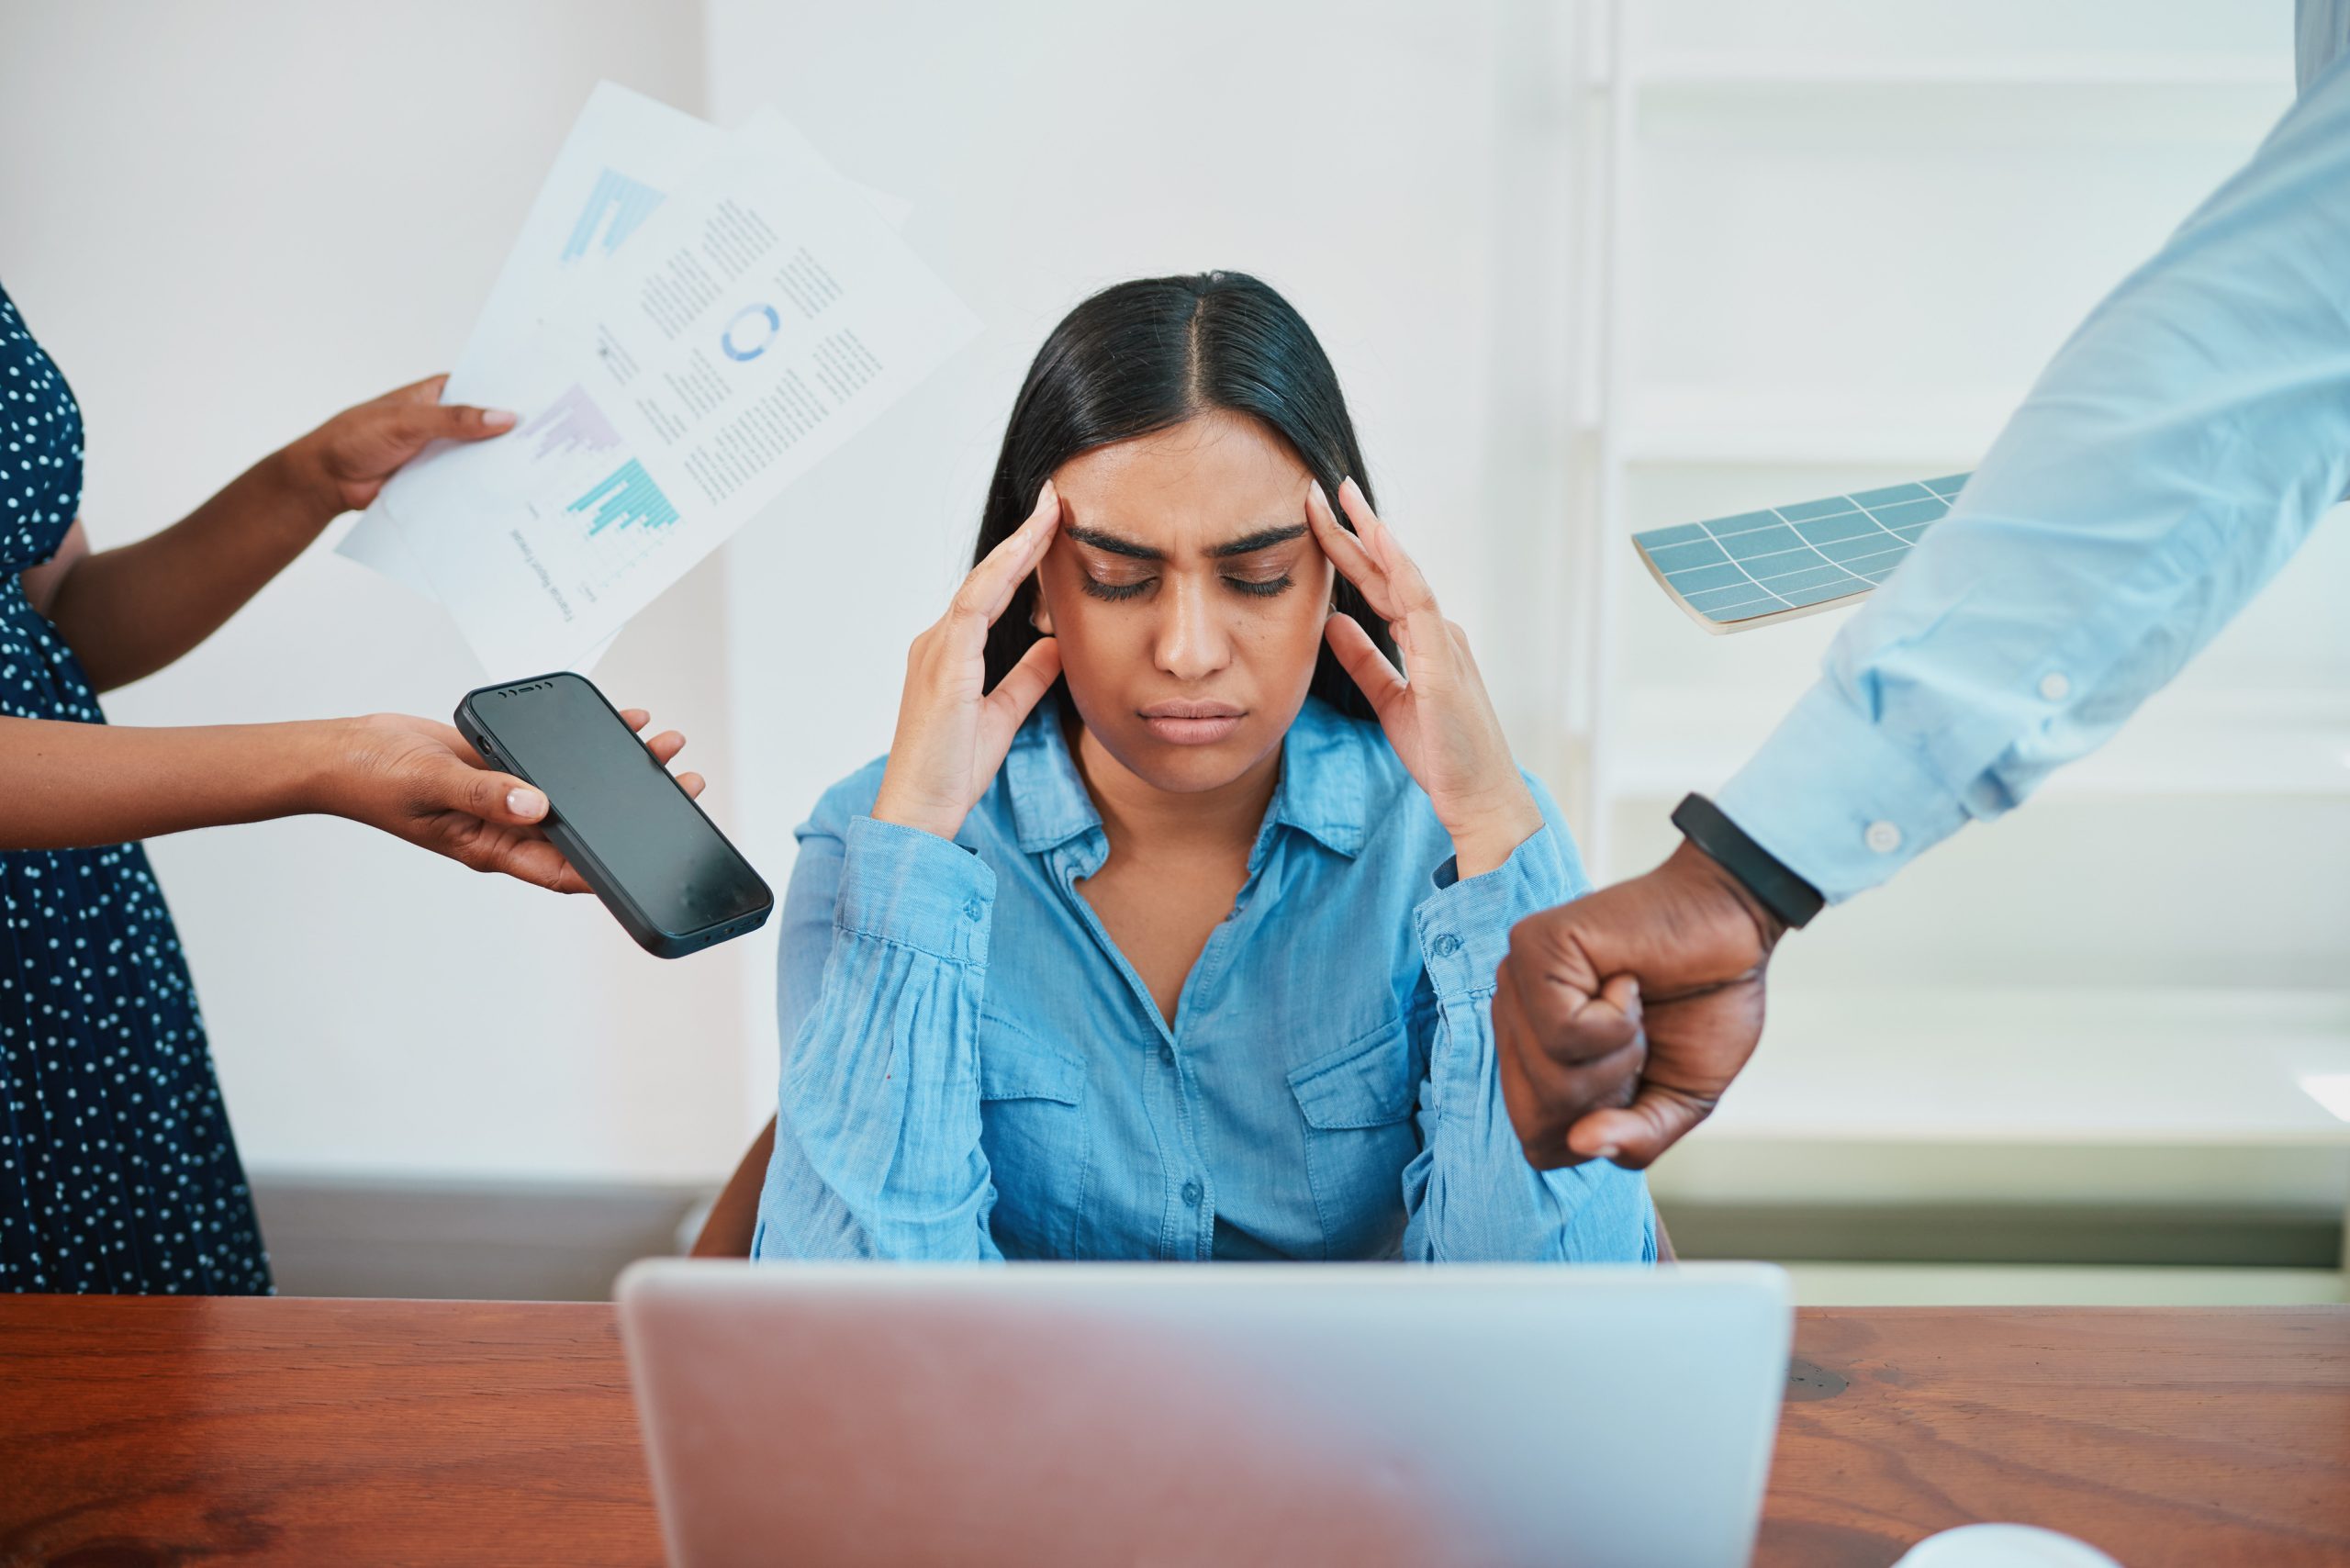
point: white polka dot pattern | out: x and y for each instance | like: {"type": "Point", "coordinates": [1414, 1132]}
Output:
{"type": "Point", "coordinates": [117, 1171]}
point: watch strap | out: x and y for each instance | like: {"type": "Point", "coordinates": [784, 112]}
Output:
{"type": "Point", "coordinates": [1778, 889]}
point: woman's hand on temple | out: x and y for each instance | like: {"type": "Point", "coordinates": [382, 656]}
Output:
{"type": "Point", "coordinates": [1439, 721]}
{"type": "Point", "coordinates": [343, 463]}
{"type": "Point", "coordinates": [952, 731]}
{"type": "Point", "coordinates": [420, 780]}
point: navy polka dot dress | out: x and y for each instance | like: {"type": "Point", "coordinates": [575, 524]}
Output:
{"type": "Point", "coordinates": [118, 1171]}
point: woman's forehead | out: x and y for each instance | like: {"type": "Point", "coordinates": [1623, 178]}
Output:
{"type": "Point", "coordinates": [1189, 485]}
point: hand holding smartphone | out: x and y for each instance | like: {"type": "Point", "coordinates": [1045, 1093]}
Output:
{"type": "Point", "coordinates": [637, 839]}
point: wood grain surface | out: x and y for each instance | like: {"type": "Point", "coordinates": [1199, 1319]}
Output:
{"type": "Point", "coordinates": [160, 1431]}
{"type": "Point", "coordinates": [2162, 1436]}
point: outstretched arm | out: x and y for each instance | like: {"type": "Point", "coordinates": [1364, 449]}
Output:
{"type": "Point", "coordinates": [2173, 457]}
{"type": "Point", "coordinates": [128, 611]}
{"type": "Point", "coordinates": [65, 785]}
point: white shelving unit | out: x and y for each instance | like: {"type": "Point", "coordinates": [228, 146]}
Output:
{"type": "Point", "coordinates": [1770, 207]}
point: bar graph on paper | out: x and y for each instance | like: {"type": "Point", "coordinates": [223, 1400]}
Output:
{"type": "Point", "coordinates": [603, 511]}
{"type": "Point", "coordinates": [572, 423]}
{"type": "Point", "coordinates": [615, 207]}
{"type": "Point", "coordinates": [627, 499]}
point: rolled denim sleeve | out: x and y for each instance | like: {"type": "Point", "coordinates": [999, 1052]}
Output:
{"type": "Point", "coordinates": [1468, 1195]}
{"type": "Point", "coordinates": [882, 971]}
{"type": "Point", "coordinates": [2173, 455]}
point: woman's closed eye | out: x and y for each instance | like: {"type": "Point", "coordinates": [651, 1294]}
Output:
{"type": "Point", "coordinates": [1256, 584]}
{"type": "Point", "coordinates": [1261, 586]}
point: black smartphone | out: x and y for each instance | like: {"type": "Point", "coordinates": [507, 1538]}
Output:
{"type": "Point", "coordinates": [634, 836]}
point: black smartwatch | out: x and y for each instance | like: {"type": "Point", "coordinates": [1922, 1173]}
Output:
{"type": "Point", "coordinates": [1774, 887]}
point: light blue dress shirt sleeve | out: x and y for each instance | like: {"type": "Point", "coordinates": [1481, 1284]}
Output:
{"type": "Point", "coordinates": [2173, 457]}
{"type": "Point", "coordinates": [883, 957]}
{"type": "Point", "coordinates": [1468, 1195]}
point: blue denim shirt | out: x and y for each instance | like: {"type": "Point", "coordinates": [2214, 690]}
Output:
{"type": "Point", "coordinates": [972, 1071]}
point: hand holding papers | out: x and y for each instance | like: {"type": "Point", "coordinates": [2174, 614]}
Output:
{"type": "Point", "coordinates": [680, 346]}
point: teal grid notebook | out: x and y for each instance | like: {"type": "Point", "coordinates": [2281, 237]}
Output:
{"type": "Point", "coordinates": [1732, 574]}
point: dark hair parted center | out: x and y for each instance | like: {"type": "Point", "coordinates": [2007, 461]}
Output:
{"type": "Point", "coordinates": [1147, 356]}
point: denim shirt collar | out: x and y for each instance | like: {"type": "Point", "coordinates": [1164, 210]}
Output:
{"type": "Point", "coordinates": [1324, 790]}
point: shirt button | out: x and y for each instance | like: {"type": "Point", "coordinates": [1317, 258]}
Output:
{"type": "Point", "coordinates": [2055, 688]}
{"type": "Point", "coordinates": [1191, 1194]}
{"type": "Point", "coordinates": [1167, 1054]}
{"type": "Point", "coordinates": [1883, 838]}
{"type": "Point", "coordinates": [971, 908]}
{"type": "Point", "coordinates": [1446, 945]}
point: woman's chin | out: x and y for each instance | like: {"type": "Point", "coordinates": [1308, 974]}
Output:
{"type": "Point", "coordinates": [1191, 763]}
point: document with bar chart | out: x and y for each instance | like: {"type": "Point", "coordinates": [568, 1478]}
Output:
{"type": "Point", "coordinates": [1734, 573]}
{"type": "Point", "coordinates": [690, 342]}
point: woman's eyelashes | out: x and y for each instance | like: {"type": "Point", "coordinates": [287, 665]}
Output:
{"type": "Point", "coordinates": [1254, 586]}
{"type": "Point", "coordinates": [1101, 590]}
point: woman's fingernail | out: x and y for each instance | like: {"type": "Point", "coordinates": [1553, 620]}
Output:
{"type": "Point", "coordinates": [497, 418]}
{"type": "Point", "coordinates": [1045, 494]}
{"type": "Point", "coordinates": [1606, 1151]}
{"type": "Point", "coordinates": [526, 802]}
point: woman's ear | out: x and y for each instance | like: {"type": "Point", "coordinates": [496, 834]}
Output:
{"type": "Point", "coordinates": [1038, 616]}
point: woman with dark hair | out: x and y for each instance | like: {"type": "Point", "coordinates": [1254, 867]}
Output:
{"type": "Point", "coordinates": [1196, 960]}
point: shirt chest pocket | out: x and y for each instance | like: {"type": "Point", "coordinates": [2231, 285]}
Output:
{"type": "Point", "coordinates": [1357, 1107]}
{"type": "Point", "coordinates": [1034, 1131]}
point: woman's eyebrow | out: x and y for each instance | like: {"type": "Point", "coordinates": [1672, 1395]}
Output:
{"type": "Point", "coordinates": [1246, 544]}
{"type": "Point", "coordinates": [1114, 544]}
{"type": "Point", "coordinates": [1263, 539]}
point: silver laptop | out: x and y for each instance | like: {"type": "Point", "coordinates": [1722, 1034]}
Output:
{"type": "Point", "coordinates": [1052, 1415]}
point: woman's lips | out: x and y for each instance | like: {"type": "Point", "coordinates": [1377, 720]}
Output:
{"type": "Point", "coordinates": [1191, 723]}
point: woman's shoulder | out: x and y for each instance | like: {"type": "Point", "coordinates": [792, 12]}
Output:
{"type": "Point", "coordinates": [851, 798]}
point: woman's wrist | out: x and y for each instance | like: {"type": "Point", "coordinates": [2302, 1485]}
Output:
{"type": "Point", "coordinates": [932, 820]}
{"type": "Point", "coordinates": [1483, 841]}
{"type": "Point", "coordinates": [316, 765]}
{"type": "Point", "coordinates": [298, 475]}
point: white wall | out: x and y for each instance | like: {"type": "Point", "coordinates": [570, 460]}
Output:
{"type": "Point", "coordinates": [1401, 175]}
{"type": "Point", "coordinates": [226, 222]}
{"type": "Point", "coordinates": [229, 222]}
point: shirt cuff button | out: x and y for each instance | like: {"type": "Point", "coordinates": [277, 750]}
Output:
{"type": "Point", "coordinates": [2055, 688]}
{"type": "Point", "coordinates": [1883, 838]}
{"type": "Point", "coordinates": [972, 908]}
{"type": "Point", "coordinates": [1446, 945]}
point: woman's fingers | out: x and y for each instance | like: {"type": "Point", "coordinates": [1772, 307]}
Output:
{"type": "Point", "coordinates": [663, 746]}
{"type": "Point", "coordinates": [416, 415]}
{"type": "Point", "coordinates": [1024, 684]}
{"type": "Point", "coordinates": [454, 784]}
{"type": "Point", "coordinates": [420, 423]}
{"type": "Point", "coordinates": [425, 391]}
{"type": "Point", "coordinates": [1408, 588]}
{"type": "Point", "coordinates": [1431, 650]}
{"type": "Point", "coordinates": [991, 583]}
{"type": "Point", "coordinates": [1381, 681]}
{"type": "Point", "coordinates": [535, 861]}
{"type": "Point", "coordinates": [693, 784]}
{"type": "Point", "coordinates": [947, 717]}
{"type": "Point", "coordinates": [1347, 553]}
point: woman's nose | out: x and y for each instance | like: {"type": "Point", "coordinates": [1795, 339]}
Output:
{"type": "Point", "coordinates": [1192, 643]}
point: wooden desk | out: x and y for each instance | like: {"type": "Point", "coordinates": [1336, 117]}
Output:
{"type": "Point", "coordinates": [137, 1432]}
